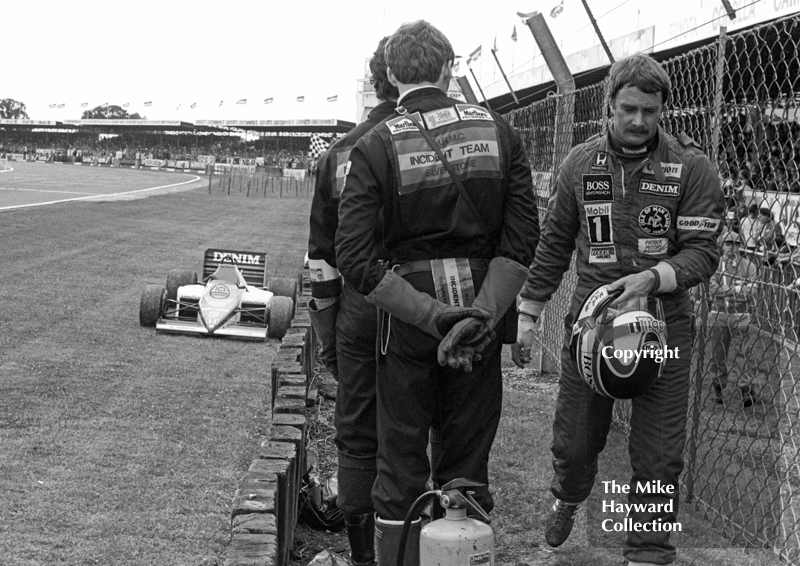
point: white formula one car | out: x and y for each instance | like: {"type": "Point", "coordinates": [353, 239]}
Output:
{"type": "Point", "coordinates": [234, 299]}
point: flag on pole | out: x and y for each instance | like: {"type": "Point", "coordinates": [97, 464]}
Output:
{"type": "Point", "coordinates": [333, 98]}
{"type": "Point", "coordinates": [301, 98]}
{"type": "Point", "coordinates": [84, 104]}
{"type": "Point", "coordinates": [193, 105]}
{"type": "Point", "coordinates": [241, 101]}
{"type": "Point", "coordinates": [318, 146]}
{"type": "Point", "coordinates": [475, 55]}
{"type": "Point", "coordinates": [148, 103]}
{"type": "Point", "coordinates": [268, 100]}
{"type": "Point", "coordinates": [514, 33]}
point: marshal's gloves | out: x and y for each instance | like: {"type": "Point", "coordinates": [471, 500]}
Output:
{"type": "Point", "coordinates": [527, 328]}
{"type": "Point", "coordinates": [323, 313]}
{"type": "Point", "coordinates": [503, 281]}
{"type": "Point", "coordinates": [399, 298]}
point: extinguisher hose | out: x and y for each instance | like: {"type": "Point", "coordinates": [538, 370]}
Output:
{"type": "Point", "coordinates": [411, 516]}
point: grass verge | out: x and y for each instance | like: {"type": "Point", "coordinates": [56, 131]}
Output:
{"type": "Point", "coordinates": [119, 445]}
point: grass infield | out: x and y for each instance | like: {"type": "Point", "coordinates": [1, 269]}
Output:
{"type": "Point", "coordinates": [119, 446]}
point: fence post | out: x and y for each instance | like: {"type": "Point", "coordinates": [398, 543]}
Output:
{"type": "Point", "coordinates": [716, 121]}
{"type": "Point", "coordinates": [699, 319]}
{"type": "Point", "coordinates": [787, 543]}
{"type": "Point", "coordinates": [562, 123]}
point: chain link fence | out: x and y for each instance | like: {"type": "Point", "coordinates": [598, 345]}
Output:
{"type": "Point", "coordinates": [739, 98]}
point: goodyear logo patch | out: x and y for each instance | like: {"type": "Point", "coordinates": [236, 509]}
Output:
{"type": "Point", "coordinates": [598, 188]}
{"type": "Point", "coordinates": [672, 170]}
{"type": "Point", "coordinates": [472, 149]}
{"type": "Point", "coordinates": [700, 223]}
{"type": "Point", "coordinates": [603, 254]}
{"type": "Point", "coordinates": [654, 220]}
{"type": "Point", "coordinates": [653, 246]}
{"type": "Point", "coordinates": [438, 118]}
{"type": "Point", "coordinates": [469, 112]}
{"type": "Point", "coordinates": [401, 124]}
{"type": "Point", "coordinates": [662, 189]}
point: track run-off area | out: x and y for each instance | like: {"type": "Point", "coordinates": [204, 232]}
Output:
{"type": "Point", "coordinates": [27, 184]}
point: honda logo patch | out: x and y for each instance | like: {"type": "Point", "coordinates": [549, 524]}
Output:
{"type": "Point", "coordinates": [600, 161]}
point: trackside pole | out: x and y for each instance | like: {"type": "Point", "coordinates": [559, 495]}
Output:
{"type": "Point", "coordinates": [466, 90]}
{"type": "Point", "coordinates": [505, 78]}
{"type": "Point", "coordinates": [479, 88]}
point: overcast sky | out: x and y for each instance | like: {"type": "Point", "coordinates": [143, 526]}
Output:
{"type": "Point", "coordinates": [179, 53]}
{"type": "Point", "coordinates": [176, 53]}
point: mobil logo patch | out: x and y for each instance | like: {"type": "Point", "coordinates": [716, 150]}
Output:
{"type": "Point", "coordinates": [662, 189]}
{"type": "Point", "coordinates": [598, 188]}
{"type": "Point", "coordinates": [654, 220]}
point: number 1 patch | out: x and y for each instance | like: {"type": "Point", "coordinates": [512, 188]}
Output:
{"type": "Point", "coordinates": [598, 224]}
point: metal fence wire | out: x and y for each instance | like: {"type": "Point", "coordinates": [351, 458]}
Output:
{"type": "Point", "coordinates": [739, 98]}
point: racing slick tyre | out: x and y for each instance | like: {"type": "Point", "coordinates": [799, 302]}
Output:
{"type": "Point", "coordinates": [282, 287]}
{"type": "Point", "coordinates": [178, 278]}
{"type": "Point", "coordinates": [280, 316]}
{"type": "Point", "coordinates": [151, 304]}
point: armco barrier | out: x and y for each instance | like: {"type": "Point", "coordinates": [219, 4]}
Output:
{"type": "Point", "coordinates": [265, 506]}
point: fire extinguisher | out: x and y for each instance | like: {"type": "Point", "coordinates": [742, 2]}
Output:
{"type": "Point", "coordinates": [455, 539]}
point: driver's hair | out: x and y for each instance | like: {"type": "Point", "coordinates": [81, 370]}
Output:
{"type": "Point", "coordinates": [640, 71]}
{"type": "Point", "coordinates": [416, 53]}
{"type": "Point", "coordinates": [384, 90]}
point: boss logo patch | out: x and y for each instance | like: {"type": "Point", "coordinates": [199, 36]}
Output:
{"type": "Point", "coordinates": [662, 189]}
{"type": "Point", "coordinates": [654, 220]}
{"type": "Point", "coordinates": [598, 188]}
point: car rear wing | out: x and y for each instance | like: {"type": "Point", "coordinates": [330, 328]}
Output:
{"type": "Point", "coordinates": [253, 265]}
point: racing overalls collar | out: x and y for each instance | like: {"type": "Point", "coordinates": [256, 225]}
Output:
{"type": "Point", "coordinates": [626, 150]}
{"type": "Point", "coordinates": [412, 95]}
